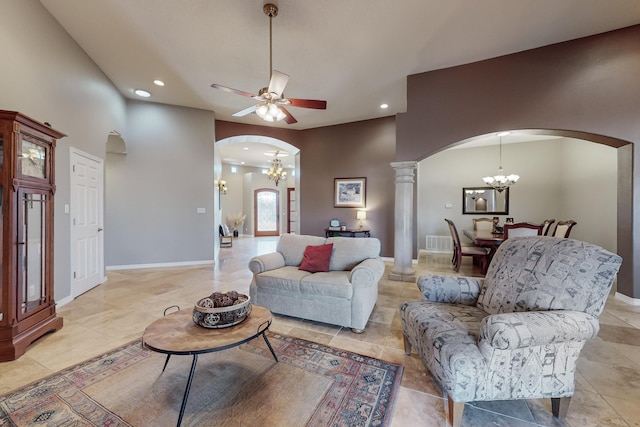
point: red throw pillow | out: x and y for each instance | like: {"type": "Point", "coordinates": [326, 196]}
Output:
{"type": "Point", "coordinates": [316, 258]}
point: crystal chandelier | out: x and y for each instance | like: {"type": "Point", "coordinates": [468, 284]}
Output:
{"type": "Point", "coordinates": [500, 181]}
{"type": "Point", "coordinates": [276, 172]}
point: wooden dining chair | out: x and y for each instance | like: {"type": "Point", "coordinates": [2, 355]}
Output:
{"type": "Point", "coordinates": [522, 229]}
{"type": "Point", "coordinates": [479, 254]}
{"type": "Point", "coordinates": [482, 224]}
{"type": "Point", "coordinates": [546, 226]}
{"type": "Point", "coordinates": [564, 228]}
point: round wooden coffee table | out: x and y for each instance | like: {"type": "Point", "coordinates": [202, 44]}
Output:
{"type": "Point", "coordinates": [177, 334]}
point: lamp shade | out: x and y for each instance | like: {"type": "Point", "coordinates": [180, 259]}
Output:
{"type": "Point", "coordinates": [361, 215]}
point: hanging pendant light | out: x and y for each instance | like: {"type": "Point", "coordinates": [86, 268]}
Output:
{"type": "Point", "coordinates": [500, 181]}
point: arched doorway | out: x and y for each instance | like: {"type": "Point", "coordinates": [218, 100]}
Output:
{"type": "Point", "coordinates": [242, 180]}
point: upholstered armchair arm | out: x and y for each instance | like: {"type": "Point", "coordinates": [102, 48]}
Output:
{"type": "Point", "coordinates": [368, 272]}
{"type": "Point", "coordinates": [262, 263]}
{"type": "Point", "coordinates": [534, 328]}
{"type": "Point", "coordinates": [450, 289]}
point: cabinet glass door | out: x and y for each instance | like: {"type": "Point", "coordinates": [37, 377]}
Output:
{"type": "Point", "coordinates": [1, 253]}
{"type": "Point", "coordinates": [32, 240]}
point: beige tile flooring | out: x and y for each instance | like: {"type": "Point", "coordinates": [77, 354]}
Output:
{"type": "Point", "coordinates": [608, 380]}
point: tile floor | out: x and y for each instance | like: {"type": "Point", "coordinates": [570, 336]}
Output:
{"type": "Point", "coordinates": [608, 379]}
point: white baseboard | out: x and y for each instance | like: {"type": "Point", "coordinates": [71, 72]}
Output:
{"type": "Point", "coordinates": [626, 299]}
{"type": "Point", "coordinates": [64, 301]}
{"type": "Point", "coordinates": [158, 265]}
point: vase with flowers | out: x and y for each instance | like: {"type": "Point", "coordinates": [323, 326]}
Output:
{"type": "Point", "coordinates": [235, 221]}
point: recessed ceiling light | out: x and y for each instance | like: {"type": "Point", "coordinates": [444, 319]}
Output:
{"type": "Point", "coordinates": [142, 93]}
{"type": "Point", "coordinates": [245, 148]}
{"type": "Point", "coordinates": [383, 106]}
{"type": "Point", "coordinates": [158, 82]}
{"type": "Point", "coordinates": [242, 163]}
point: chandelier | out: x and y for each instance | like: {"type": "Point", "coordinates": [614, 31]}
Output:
{"type": "Point", "coordinates": [500, 181]}
{"type": "Point", "coordinates": [276, 172]}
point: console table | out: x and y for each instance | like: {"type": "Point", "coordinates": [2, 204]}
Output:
{"type": "Point", "coordinates": [347, 233]}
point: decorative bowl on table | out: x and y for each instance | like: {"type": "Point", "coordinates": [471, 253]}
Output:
{"type": "Point", "coordinates": [221, 310]}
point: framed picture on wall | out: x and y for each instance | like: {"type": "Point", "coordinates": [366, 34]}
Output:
{"type": "Point", "coordinates": [350, 192]}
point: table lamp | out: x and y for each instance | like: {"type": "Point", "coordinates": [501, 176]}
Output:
{"type": "Point", "coordinates": [361, 215]}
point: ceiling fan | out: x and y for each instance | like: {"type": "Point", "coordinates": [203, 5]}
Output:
{"type": "Point", "coordinates": [271, 102]}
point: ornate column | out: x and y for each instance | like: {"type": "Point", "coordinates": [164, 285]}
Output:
{"type": "Point", "coordinates": [403, 236]}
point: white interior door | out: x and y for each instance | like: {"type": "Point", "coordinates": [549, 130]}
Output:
{"type": "Point", "coordinates": [87, 241]}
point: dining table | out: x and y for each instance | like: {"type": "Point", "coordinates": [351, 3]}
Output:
{"type": "Point", "coordinates": [486, 239]}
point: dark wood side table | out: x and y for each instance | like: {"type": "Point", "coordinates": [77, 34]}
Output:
{"type": "Point", "coordinates": [177, 334]}
{"type": "Point", "coordinates": [356, 232]}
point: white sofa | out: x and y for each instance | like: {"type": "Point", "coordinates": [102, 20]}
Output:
{"type": "Point", "coordinates": [344, 296]}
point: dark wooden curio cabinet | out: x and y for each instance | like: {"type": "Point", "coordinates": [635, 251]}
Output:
{"type": "Point", "coordinates": [27, 306]}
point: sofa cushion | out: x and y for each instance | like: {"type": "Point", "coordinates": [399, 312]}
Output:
{"type": "Point", "coordinates": [285, 278]}
{"type": "Point", "coordinates": [332, 284]}
{"type": "Point", "coordinates": [292, 246]}
{"type": "Point", "coordinates": [348, 252]}
{"type": "Point", "coordinates": [316, 258]}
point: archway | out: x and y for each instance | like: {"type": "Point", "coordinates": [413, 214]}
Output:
{"type": "Point", "coordinates": [623, 194]}
{"type": "Point", "coordinates": [239, 195]}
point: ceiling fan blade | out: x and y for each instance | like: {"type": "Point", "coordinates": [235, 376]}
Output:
{"type": "Point", "coordinates": [278, 82]}
{"type": "Point", "coordinates": [288, 117]}
{"type": "Point", "coordinates": [245, 112]}
{"type": "Point", "coordinates": [308, 103]}
{"type": "Point", "coordinates": [230, 90]}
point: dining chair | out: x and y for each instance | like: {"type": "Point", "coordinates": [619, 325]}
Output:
{"type": "Point", "coordinates": [482, 224]}
{"type": "Point", "coordinates": [226, 239]}
{"type": "Point", "coordinates": [546, 226]}
{"type": "Point", "coordinates": [479, 254]}
{"type": "Point", "coordinates": [564, 228]}
{"type": "Point", "coordinates": [522, 229]}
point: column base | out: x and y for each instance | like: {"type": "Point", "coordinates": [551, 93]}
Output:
{"type": "Point", "coordinates": [403, 276]}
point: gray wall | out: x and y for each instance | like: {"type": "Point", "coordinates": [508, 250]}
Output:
{"type": "Point", "coordinates": [46, 76]}
{"type": "Point", "coordinates": [153, 192]}
{"type": "Point", "coordinates": [559, 178]}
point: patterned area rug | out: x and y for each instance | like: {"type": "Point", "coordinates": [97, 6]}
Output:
{"type": "Point", "coordinates": [312, 385]}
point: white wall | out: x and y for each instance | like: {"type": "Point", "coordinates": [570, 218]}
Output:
{"type": "Point", "coordinates": [46, 76]}
{"type": "Point", "coordinates": [558, 179]}
{"type": "Point", "coordinates": [153, 192]}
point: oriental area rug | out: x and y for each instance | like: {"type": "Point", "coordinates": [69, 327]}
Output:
{"type": "Point", "coordinates": [311, 385]}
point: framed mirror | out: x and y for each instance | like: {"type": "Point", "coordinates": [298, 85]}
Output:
{"type": "Point", "coordinates": [485, 200]}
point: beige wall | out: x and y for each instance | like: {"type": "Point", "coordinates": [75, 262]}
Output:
{"type": "Point", "coordinates": [559, 178]}
{"type": "Point", "coordinates": [239, 198]}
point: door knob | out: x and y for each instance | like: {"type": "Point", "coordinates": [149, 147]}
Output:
{"type": "Point", "coordinates": [99, 228]}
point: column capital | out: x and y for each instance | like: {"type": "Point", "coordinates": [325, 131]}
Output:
{"type": "Point", "coordinates": [405, 165]}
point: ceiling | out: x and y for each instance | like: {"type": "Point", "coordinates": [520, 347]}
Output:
{"type": "Point", "coordinates": [355, 54]}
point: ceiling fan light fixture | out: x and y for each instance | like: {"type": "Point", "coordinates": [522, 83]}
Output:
{"type": "Point", "coordinates": [271, 102]}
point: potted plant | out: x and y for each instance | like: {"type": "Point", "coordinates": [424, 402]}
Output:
{"type": "Point", "coordinates": [235, 221]}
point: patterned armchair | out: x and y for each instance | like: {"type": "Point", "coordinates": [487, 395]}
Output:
{"type": "Point", "coordinates": [517, 333]}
